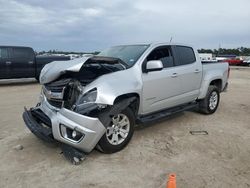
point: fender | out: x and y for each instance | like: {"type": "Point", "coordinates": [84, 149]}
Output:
{"type": "Point", "coordinates": [109, 87]}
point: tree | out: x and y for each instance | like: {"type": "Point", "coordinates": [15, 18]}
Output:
{"type": "Point", "coordinates": [241, 51]}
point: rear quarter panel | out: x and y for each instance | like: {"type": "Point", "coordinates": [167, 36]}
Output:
{"type": "Point", "coordinates": [213, 71]}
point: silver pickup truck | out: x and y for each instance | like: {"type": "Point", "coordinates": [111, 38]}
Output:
{"type": "Point", "coordinates": [95, 101]}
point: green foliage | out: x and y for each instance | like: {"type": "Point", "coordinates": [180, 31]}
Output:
{"type": "Point", "coordinates": [66, 53]}
{"type": "Point", "coordinates": [242, 51]}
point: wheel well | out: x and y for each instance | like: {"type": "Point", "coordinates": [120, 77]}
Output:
{"type": "Point", "coordinates": [134, 105]}
{"type": "Point", "coordinates": [217, 83]}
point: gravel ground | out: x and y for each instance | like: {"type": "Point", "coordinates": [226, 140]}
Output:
{"type": "Point", "coordinates": [220, 159]}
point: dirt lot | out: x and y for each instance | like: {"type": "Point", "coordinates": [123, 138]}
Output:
{"type": "Point", "coordinates": [220, 159]}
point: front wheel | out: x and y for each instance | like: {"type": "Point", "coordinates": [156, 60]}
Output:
{"type": "Point", "coordinates": [118, 133]}
{"type": "Point", "coordinates": [211, 102]}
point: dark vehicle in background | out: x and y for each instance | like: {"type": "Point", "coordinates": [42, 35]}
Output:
{"type": "Point", "coordinates": [21, 62]}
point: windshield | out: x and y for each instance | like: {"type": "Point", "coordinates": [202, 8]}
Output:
{"type": "Point", "coordinates": [127, 53]}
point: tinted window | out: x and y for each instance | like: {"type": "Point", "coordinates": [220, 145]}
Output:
{"type": "Point", "coordinates": [3, 53]}
{"type": "Point", "coordinates": [185, 55]}
{"type": "Point", "coordinates": [163, 54]}
{"type": "Point", "coordinates": [22, 53]}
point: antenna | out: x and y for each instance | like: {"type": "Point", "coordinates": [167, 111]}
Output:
{"type": "Point", "coordinates": [171, 39]}
{"type": "Point", "coordinates": [219, 49]}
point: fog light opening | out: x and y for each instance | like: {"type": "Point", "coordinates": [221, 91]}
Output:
{"type": "Point", "coordinates": [71, 134]}
{"type": "Point", "coordinates": [76, 135]}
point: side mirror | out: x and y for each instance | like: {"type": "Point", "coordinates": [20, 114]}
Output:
{"type": "Point", "coordinates": [154, 65]}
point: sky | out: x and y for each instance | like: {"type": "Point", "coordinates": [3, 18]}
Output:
{"type": "Point", "coordinates": [92, 25]}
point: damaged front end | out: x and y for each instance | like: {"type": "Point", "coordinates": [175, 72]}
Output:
{"type": "Point", "coordinates": [66, 112]}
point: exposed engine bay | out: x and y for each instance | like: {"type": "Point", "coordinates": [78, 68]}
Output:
{"type": "Point", "coordinates": [65, 90]}
{"type": "Point", "coordinates": [93, 68]}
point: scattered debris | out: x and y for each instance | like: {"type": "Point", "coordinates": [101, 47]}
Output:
{"type": "Point", "coordinates": [76, 160]}
{"type": "Point", "coordinates": [198, 132]}
{"type": "Point", "coordinates": [18, 147]}
{"type": "Point", "coordinates": [174, 138]}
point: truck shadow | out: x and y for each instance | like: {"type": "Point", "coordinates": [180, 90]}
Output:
{"type": "Point", "coordinates": [140, 127]}
{"type": "Point", "coordinates": [18, 82]}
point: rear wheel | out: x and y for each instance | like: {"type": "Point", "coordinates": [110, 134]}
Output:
{"type": "Point", "coordinates": [210, 103]}
{"type": "Point", "coordinates": [118, 133]}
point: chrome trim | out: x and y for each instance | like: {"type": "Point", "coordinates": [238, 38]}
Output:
{"type": "Point", "coordinates": [53, 95]}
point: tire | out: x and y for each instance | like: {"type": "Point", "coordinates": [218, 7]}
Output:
{"type": "Point", "coordinates": [210, 103]}
{"type": "Point", "coordinates": [105, 145]}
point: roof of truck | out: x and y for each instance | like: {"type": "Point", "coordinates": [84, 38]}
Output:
{"type": "Point", "coordinates": [168, 43]}
{"type": "Point", "coordinates": [157, 44]}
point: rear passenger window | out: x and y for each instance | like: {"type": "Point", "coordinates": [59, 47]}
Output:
{"type": "Point", "coordinates": [185, 55]}
{"type": "Point", "coordinates": [3, 53]}
{"type": "Point", "coordinates": [22, 53]}
{"type": "Point", "coordinates": [19, 53]}
{"type": "Point", "coordinates": [163, 54]}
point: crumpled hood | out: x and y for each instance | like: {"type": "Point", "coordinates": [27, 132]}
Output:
{"type": "Point", "coordinates": [55, 69]}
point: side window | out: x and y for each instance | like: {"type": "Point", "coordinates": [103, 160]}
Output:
{"type": "Point", "coordinates": [185, 55]}
{"type": "Point", "coordinates": [3, 53]}
{"type": "Point", "coordinates": [163, 54]}
{"type": "Point", "coordinates": [22, 53]}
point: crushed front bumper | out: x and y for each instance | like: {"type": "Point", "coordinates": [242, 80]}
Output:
{"type": "Point", "coordinates": [36, 128]}
{"type": "Point", "coordinates": [90, 128]}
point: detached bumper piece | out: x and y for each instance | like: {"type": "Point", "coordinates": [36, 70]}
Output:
{"type": "Point", "coordinates": [73, 155]}
{"type": "Point", "coordinates": [39, 129]}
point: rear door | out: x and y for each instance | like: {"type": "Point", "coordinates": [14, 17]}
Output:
{"type": "Point", "coordinates": [189, 72]}
{"type": "Point", "coordinates": [4, 63]}
{"type": "Point", "coordinates": [22, 62]}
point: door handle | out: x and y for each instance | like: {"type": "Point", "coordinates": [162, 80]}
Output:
{"type": "Point", "coordinates": [174, 75]}
{"type": "Point", "coordinates": [31, 62]}
{"type": "Point", "coordinates": [8, 62]}
{"type": "Point", "coordinates": [197, 71]}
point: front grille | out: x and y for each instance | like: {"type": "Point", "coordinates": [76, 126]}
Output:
{"type": "Point", "coordinates": [55, 103]}
{"type": "Point", "coordinates": [62, 93]}
{"type": "Point", "coordinates": [54, 92]}
{"type": "Point", "coordinates": [57, 86]}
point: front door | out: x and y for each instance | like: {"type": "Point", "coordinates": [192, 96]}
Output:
{"type": "Point", "coordinates": [161, 89]}
{"type": "Point", "coordinates": [4, 63]}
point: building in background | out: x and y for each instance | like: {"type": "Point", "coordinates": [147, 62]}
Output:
{"type": "Point", "coordinates": [206, 56]}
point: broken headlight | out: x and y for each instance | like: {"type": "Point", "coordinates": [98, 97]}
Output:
{"type": "Point", "coordinates": [89, 97]}
{"type": "Point", "coordinates": [86, 104]}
